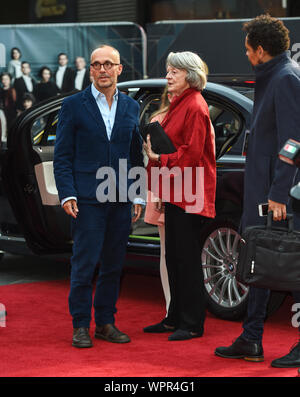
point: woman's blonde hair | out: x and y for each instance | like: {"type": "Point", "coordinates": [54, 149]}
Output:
{"type": "Point", "coordinates": [164, 104]}
{"type": "Point", "coordinates": [195, 67]}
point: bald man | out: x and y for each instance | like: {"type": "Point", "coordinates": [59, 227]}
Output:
{"type": "Point", "coordinates": [82, 74]}
{"type": "Point", "coordinates": [97, 127]}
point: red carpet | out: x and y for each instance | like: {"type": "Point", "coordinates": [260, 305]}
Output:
{"type": "Point", "coordinates": [36, 341]}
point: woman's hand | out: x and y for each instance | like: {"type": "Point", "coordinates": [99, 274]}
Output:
{"type": "Point", "coordinates": [159, 206]}
{"type": "Point", "coordinates": [137, 212]}
{"type": "Point", "coordinates": [148, 149]}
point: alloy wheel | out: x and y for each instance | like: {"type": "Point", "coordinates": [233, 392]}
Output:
{"type": "Point", "coordinates": [219, 261]}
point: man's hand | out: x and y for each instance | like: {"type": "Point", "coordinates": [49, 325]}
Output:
{"type": "Point", "coordinates": [279, 210]}
{"type": "Point", "coordinates": [71, 208]}
{"type": "Point", "coordinates": [137, 212]}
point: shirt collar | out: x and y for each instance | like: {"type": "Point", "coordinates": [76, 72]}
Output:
{"type": "Point", "coordinates": [97, 93]}
{"type": "Point", "coordinates": [266, 67]}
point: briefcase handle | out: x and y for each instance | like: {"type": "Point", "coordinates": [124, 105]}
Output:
{"type": "Point", "coordinates": [289, 219]}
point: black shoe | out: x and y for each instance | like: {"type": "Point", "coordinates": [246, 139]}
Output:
{"type": "Point", "coordinates": [290, 360]}
{"type": "Point", "coordinates": [182, 334]}
{"type": "Point", "coordinates": [159, 328]}
{"type": "Point", "coordinates": [81, 338]}
{"type": "Point", "coordinates": [110, 333]}
{"type": "Point", "coordinates": [241, 348]}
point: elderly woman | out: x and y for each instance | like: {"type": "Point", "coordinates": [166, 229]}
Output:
{"type": "Point", "coordinates": [188, 125]}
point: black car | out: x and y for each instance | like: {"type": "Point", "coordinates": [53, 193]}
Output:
{"type": "Point", "coordinates": [33, 222]}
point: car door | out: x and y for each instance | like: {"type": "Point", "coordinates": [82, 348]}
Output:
{"type": "Point", "coordinates": [29, 183]}
{"type": "Point", "coordinates": [8, 224]}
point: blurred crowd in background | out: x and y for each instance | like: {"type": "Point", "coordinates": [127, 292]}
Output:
{"type": "Point", "coordinates": [19, 89]}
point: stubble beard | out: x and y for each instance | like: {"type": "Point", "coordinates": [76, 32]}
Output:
{"type": "Point", "coordinates": [104, 85]}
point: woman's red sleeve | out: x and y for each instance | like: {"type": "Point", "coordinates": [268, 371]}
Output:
{"type": "Point", "coordinates": [197, 125]}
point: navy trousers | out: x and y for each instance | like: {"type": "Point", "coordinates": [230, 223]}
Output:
{"type": "Point", "coordinates": [100, 234]}
{"type": "Point", "coordinates": [257, 305]}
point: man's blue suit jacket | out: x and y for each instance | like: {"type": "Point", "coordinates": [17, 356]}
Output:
{"type": "Point", "coordinates": [82, 145]}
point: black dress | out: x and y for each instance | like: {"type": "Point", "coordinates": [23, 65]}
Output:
{"type": "Point", "coordinates": [44, 91]}
{"type": "Point", "coordinates": [8, 104]}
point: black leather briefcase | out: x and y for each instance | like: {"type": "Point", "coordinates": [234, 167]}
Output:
{"type": "Point", "coordinates": [269, 257]}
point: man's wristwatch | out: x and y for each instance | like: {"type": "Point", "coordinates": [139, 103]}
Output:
{"type": "Point", "coordinates": [158, 158]}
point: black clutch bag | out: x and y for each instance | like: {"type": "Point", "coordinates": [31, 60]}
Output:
{"type": "Point", "coordinates": [160, 142]}
{"type": "Point", "coordinates": [269, 257]}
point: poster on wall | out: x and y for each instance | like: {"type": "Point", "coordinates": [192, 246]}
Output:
{"type": "Point", "coordinates": [40, 45]}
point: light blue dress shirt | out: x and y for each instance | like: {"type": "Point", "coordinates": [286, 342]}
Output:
{"type": "Point", "coordinates": [108, 113]}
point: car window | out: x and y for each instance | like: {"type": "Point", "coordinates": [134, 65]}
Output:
{"type": "Point", "coordinates": [43, 130]}
{"type": "Point", "coordinates": [150, 106]}
{"type": "Point", "coordinates": [227, 126]}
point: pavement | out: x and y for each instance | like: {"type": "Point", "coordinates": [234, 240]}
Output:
{"type": "Point", "coordinates": [18, 269]}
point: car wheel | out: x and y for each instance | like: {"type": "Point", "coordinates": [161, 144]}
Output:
{"type": "Point", "coordinates": [226, 297]}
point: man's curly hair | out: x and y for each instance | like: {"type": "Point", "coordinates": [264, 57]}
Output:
{"type": "Point", "coordinates": [268, 32]}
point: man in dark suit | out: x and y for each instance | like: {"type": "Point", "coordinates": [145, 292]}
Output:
{"type": "Point", "coordinates": [97, 128]}
{"type": "Point", "coordinates": [64, 75]}
{"type": "Point", "coordinates": [276, 118]}
{"type": "Point", "coordinates": [24, 84]}
{"type": "Point", "coordinates": [81, 75]}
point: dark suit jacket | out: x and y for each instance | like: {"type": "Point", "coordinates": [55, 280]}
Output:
{"type": "Point", "coordinates": [86, 80]}
{"type": "Point", "coordinates": [68, 80]}
{"type": "Point", "coordinates": [21, 89]}
{"type": "Point", "coordinates": [44, 91]}
{"type": "Point", "coordinates": [82, 145]}
{"type": "Point", "coordinates": [275, 119]}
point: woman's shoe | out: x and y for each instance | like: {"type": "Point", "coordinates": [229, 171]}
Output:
{"type": "Point", "coordinates": [159, 328]}
{"type": "Point", "coordinates": [182, 334]}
